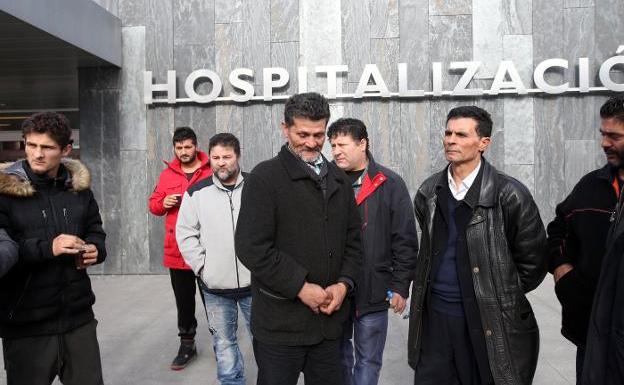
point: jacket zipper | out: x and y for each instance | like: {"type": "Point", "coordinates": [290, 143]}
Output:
{"type": "Point", "coordinates": [229, 194]}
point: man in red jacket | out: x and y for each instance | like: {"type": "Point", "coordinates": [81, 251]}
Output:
{"type": "Point", "coordinates": [189, 166]}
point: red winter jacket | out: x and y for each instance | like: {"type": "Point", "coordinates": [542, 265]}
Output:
{"type": "Point", "coordinates": [173, 181]}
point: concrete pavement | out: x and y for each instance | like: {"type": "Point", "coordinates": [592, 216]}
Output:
{"type": "Point", "coordinates": [138, 337]}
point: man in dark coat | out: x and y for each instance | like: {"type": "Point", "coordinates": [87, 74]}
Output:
{"type": "Point", "coordinates": [483, 247]}
{"type": "Point", "coordinates": [577, 235]}
{"type": "Point", "coordinates": [8, 252]}
{"type": "Point", "coordinates": [390, 247]}
{"type": "Point", "coordinates": [604, 351]}
{"type": "Point", "coordinates": [298, 232]}
{"type": "Point", "coordinates": [47, 323]}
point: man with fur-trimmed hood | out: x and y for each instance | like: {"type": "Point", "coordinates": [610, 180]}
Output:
{"type": "Point", "coordinates": [47, 323]}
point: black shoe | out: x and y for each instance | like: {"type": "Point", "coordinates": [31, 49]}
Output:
{"type": "Point", "coordinates": [186, 353]}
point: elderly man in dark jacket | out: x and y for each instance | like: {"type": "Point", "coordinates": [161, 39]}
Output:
{"type": "Point", "coordinates": [390, 246]}
{"type": "Point", "coordinates": [604, 351]}
{"type": "Point", "coordinates": [298, 232]}
{"type": "Point", "coordinates": [46, 318]}
{"type": "Point", "coordinates": [483, 247]}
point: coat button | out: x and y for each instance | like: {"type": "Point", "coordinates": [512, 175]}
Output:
{"type": "Point", "coordinates": [475, 270]}
{"type": "Point", "coordinates": [488, 333]}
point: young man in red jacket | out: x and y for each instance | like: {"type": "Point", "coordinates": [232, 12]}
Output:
{"type": "Point", "coordinates": [189, 166]}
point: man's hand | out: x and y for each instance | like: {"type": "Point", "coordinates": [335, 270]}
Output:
{"type": "Point", "coordinates": [90, 254]}
{"type": "Point", "coordinates": [562, 270]}
{"type": "Point", "coordinates": [313, 296]}
{"type": "Point", "coordinates": [66, 244]}
{"type": "Point", "coordinates": [338, 291]}
{"type": "Point", "coordinates": [171, 201]}
{"type": "Point", "coordinates": [397, 302]}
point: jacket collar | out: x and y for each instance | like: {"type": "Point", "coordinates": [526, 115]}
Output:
{"type": "Point", "coordinates": [607, 172]}
{"type": "Point", "coordinates": [15, 181]}
{"type": "Point", "coordinates": [295, 169]}
{"type": "Point", "coordinates": [485, 181]}
{"type": "Point", "coordinates": [176, 166]}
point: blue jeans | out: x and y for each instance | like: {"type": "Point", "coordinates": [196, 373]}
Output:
{"type": "Point", "coordinates": [368, 335]}
{"type": "Point", "coordinates": [223, 322]}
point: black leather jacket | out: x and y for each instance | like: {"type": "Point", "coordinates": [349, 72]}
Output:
{"type": "Point", "coordinates": [507, 252]}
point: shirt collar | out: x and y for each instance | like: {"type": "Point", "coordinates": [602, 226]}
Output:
{"type": "Point", "coordinates": [465, 183]}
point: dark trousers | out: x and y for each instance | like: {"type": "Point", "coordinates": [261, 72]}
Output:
{"type": "Point", "coordinates": [281, 365]}
{"type": "Point", "coordinates": [446, 356]}
{"type": "Point", "coordinates": [73, 356]}
{"type": "Point", "coordinates": [184, 285]}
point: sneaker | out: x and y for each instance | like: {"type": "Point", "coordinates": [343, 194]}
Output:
{"type": "Point", "coordinates": [186, 353]}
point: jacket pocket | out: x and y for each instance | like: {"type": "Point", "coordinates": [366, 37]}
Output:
{"type": "Point", "coordinates": [576, 302]}
{"type": "Point", "coordinates": [274, 313]}
{"type": "Point", "coordinates": [379, 278]}
{"type": "Point", "coordinates": [272, 295]}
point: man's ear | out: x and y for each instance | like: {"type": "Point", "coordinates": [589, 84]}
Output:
{"type": "Point", "coordinates": [484, 142]}
{"type": "Point", "coordinates": [66, 150]}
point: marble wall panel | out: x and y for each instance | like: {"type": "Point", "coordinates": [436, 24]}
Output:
{"type": "Point", "coordinates": [384, 19]}
{"type": "Point", "coordinates": [578, 42]}
{"type": "Point", "coordinates": [286, 55]}
{"type": "Point", "coordinates": [450, 7]}
{"type": "Point", "coordinates": [609, 28]}
{"type": "Point", "coordinates": [385, 53]}
{"type": "Point", "coordinates": [132, 12]}
{"type": "Point", "coordinates": [257, 36]}
{"type": "Point", "coordinates": [256, 144]}
{"type": "Point", "coordinates": [160, 123]}
{"type": "Point", "coordinates": [525, 173]}
{"type": "Point", "coordinates": [193, 21]}
{"type": "Point", "coordinates": [445, 50]}
{"type": "Point", "coordinates": [134, 245]}
{"type": "Point", "coordinates": [495, 154]}
{"type": "Point", "coordinates": [414, 42]}
{"type": "Point", "coordinates": [580, 158]}
{"type": "Point", "coordinates": [277, 117]}
{"type": "Point", "coordinates": [228, 11]}
{"type": "Point", "coordinates": [132, 109]}
{"type": "Point", "coordinates": [413, 155]}
{"type": "Point", "coordinates": [488, 28]}
{"type": "Point", "coordinates": [284, 20]}
{"type": "Point", "coordinates": [320, 39]}
{"type": "Point", "coordinates": [110, 177]}
{"type": "Point", "coordinates": [159, 37]}
{"type": "Point", "coordinates": [518, 16]}
{"type": "Point", "coordinates": [356, 29]}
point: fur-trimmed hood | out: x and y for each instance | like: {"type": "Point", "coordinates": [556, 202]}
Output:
{"type": "Point", "coordinates": [14, 180]}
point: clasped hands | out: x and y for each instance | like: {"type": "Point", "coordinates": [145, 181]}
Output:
{"type": "Point", "coordinates": [327, 300]}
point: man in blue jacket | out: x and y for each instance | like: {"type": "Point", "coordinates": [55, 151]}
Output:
{"type": "Point", "coordinates": [390, 248]}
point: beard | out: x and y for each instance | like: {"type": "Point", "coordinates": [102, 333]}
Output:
{"type": "Point", "coordinates": [188, 159]}
{"type": "Point", "coordinates": [225, 175]}
{"type": "Point", "coordinates": [618, 163]}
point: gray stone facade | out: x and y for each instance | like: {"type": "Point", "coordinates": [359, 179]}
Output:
{"type": "Point", "coordinates": [548, 142]}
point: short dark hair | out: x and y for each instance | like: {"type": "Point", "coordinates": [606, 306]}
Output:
{"type": "Point", "coordinates": [309, 105]}
{"type": "Point", "coordinates": [225, 139]}
{"type": "Point", "coordinates": [481, 116]}
{"type": "Point", "coordinates": [52, 123]}
{"type": "Point", "coordinates": [613, 108]}
{"type": "Point", "coordinates": [348, 126]}
{"type": "Point", "coordinates": [183, 133]}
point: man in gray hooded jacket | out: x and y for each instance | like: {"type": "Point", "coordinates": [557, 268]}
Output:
{"type": "Point", "coordinates": [205, 235]}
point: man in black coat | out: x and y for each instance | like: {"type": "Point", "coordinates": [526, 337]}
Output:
{"type": "Point", "coordinates": [483, 247]}
{"type": "Point", "coordinates": [577, 235]}
{"type": "Point", "coordinates": [298, 232]}
{"type": "Point", "coordinates": [8, 252]}
{"type": "Point", "coordinates": [46, 318]}
{"type": "Point", "coordinates": [390, 247]}
{"type": "Point", "coordinates": [604, 351]}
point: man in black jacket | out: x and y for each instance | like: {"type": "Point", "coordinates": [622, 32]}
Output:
{"type": "Point", "coordinates": [604, 352]}
{"type": "Point", "coordinates": [390, 247]}
{"type": "Point", "coordinates": [8, 252]}
{"type": "Point", "coordinates": [298, 232]}
{"type": "Point", "coordinates": [577, 235]}
{"type": "Point", "coordinates": [46, 317]}
{"type": "Point", "coordinates": [483, 247]}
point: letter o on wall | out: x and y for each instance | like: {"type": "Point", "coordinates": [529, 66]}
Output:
{"type": "Point", "coordinates": [189, 86]}
{"type": "Point", "coordinates": [605, 73]}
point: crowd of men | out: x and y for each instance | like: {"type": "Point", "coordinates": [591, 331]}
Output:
{"type": "Point", "coordinates": [313, 253]}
